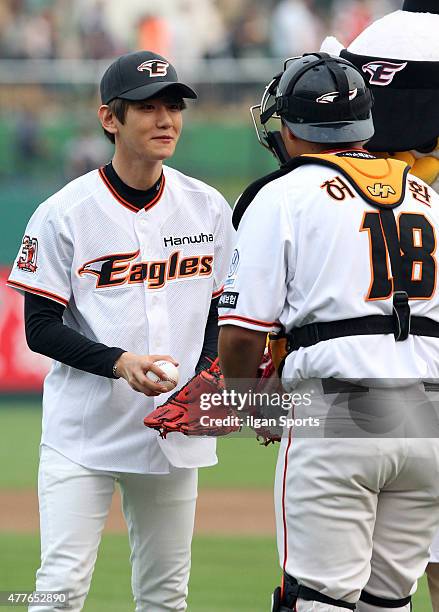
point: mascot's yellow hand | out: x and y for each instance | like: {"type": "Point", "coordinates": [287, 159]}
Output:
{"type": "Point", "coordinates": [426, 168]}
{"type": "Point", "coordinates": [406, 157]}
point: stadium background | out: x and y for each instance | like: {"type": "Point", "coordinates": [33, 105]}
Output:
{"type": "Point", "coordinates": [52, 55]}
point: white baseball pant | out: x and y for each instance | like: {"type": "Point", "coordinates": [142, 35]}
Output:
{"type": "Point", "coordinates": [433, 573]}
{"type": "Point", "coordinates": [159, 511]}
{"type": "Point", "coordinates": [434, 548]}
{"type": "Point", "coordinates": [355, 513]}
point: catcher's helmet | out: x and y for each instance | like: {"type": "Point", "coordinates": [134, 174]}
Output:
{"type": "Point", "coordinates": [321, 98]}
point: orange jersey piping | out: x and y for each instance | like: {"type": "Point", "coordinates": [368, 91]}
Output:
{"type": "Point", "coordinates": [41, 292]}
{"type": "Point", "coordinates": [124, 202]}
{"type": "Point", "coordinates": [247, 320]}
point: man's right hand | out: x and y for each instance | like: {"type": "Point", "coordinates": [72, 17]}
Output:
{"type": "Point", "coordinates": [133, 369]}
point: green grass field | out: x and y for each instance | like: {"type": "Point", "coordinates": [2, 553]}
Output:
{"type": "Point", "coordinates": [228, 573]}
{"type": "Point", "coordinates": [243, 462]}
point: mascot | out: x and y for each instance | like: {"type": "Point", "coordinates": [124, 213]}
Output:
{"type": "Point", "coordinates": [399, 56]}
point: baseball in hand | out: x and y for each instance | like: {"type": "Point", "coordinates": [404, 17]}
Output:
{"type": "Point", "coordinates": [171, 371]}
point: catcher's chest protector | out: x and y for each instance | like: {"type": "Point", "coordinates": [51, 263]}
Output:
{"type": "Point", "coordinates": [381, 182]}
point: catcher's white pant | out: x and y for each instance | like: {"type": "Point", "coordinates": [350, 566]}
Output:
{"type": "Point", "coordinates": [355, 513]}
{"type": "Point", "coordinates": [159, 511]}
{"type": "Point", "coordinates": [434, 549]}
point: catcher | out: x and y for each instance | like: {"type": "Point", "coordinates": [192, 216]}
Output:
{"type": "Point", "coordinates": [328, 249]}
{"type": "Point", "coordinates": [399, 56]}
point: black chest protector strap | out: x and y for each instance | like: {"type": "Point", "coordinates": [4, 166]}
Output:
{"type": "Point", "coordinates": [311, 334]}
{"type": "Point", "coordinates": [401, 308]}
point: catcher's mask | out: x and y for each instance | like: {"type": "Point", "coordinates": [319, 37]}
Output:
{"type": "Point", "coordinates": [320, 98]}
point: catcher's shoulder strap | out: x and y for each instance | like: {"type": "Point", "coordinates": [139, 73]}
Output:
{"type": "Point", "coordinates": [381, 182]}
{"type": "Point", "coordinates": [249, 194]}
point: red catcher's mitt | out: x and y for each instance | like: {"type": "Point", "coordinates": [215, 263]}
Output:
{"type": "Point", "coordinates": [182, 411]}
{"type": "Point", "coordinates": [270, 384]}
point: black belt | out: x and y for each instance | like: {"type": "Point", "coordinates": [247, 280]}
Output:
{"type": "Point", "coordinates": [311, 334]}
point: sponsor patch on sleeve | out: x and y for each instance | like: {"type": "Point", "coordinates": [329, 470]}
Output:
{"type": "Point", "coordinates": [229, 299]}
{"type": "Point", "coordinates": [233, 264]}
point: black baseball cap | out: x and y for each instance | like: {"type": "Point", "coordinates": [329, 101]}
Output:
{"type": "Point", "coordinates": [141, 75]}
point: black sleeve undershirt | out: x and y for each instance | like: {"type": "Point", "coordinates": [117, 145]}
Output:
{"type": "Point", "coordinates": [47, 334]}
{"type": "Point", "coordinates": [209, 352]}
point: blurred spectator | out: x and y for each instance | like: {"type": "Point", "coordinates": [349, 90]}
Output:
{"type": "Point", "coordinates": [379, 8]}
{"type": "Point", "coordinates": [96, 40]}
{"type": "Point", "coordinates": [179, 29]}
{"type": "Point", "coordinates": [28, 143]}
{"type": "Point", "coordinates": [249, 36]}
{"type": "Point", "coordinates": [122, 18]}
{"type": "Point", "coordinates": [349, 19]}
{"type": "Point", "coordinates": [28, 33]}
{"type": "Point", "coordinates": [294, 28]}
{"type": "Point", "coordinates": [98, 29]}
{"type": "Point", "coordinates": [39, 35]}
{"type": "Point", "coordinates": [232, 9]}
{"type": "Point", "coordinates": [85, 152]}
{"type": "Point", "coordinates": [153, 33]}
{"type": "Point", "coordinates": [197, 27]}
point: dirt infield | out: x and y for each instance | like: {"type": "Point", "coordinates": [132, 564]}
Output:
{"type": "Point", "coordinates": [219, 512]}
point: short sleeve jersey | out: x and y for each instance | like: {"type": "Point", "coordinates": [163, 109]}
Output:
{"type": "Point", "coordinates": [311, 249]}
{"type": "Point", "coordinates": [142, 280]}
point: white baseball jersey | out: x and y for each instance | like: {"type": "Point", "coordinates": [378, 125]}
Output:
{"type": "Point", "coordinates": [139, 280]}
{"type": "Point", "coordinates": [311, 249]}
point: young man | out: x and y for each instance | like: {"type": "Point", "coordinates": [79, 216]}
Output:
{"type": "Point", "coordinates": [338, 251]}
{"type": "Point", "coordinates": [120, 268]}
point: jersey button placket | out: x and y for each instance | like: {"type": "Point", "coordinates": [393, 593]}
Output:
{"type": "Point", "coordinates": [142, 234]}
{"type": "Point", "coordinates": [154, 299]}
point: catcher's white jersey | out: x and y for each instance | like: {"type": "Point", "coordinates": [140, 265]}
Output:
{"type": "Point", "coordinates": [311, 249]}
{"type": "Point", "coordinates": [140, 280]}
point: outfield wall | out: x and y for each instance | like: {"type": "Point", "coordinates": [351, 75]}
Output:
{"type": "Point", "coordinates": [226, 155]}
